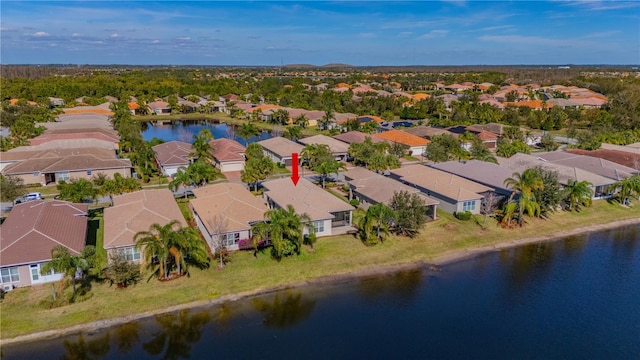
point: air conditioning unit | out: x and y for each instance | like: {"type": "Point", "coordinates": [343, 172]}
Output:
{"type": "Point", "coordinates": [8, 287]}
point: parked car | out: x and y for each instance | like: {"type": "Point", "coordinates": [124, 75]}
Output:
{"type": "Point", "coordinates": [28, 197]}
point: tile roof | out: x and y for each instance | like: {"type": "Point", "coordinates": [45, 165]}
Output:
{"type": "Point", "coordinates": [232, 201]}
{"type": "Point", "coordinates": [173, 153]}
{"type": "Point", "coordinates": [402, 137]}
{"type": "Point", "coordinates": [227, 150]}
{"type": "Point", "coordinates": [336, 146]}
{"type": "Point", "coordinates": [33, 228]}
{"type": "Point", "coordinates": [380, 188]}
{"type": "Point", "coordinates": [51, 136]}
{"type": "Point", "coordinates": [356, 137]}
{"type": "Point", "coordinates": [57, 160]}
{"type": "Point", "coordinates": [626, 158]}
{"type": "Point", "coordinates": [306, 197]}
{"type": "Point", "coordinates": [439, 182]}
{"type": "Point", "coordinates": [533, 104]}
{"type": "Point", "coordinates": [521, 162]}
{"type": "Point", "coordinates": [485, 173]}
{"type": "Point", "coordinates": [425, 131]}
{"type": "Point", "coordinates": [281, 146]}
{"type": "Point", "coordinates": [136, 211]}
{"type": "Point", "coordinates": [595, 165]}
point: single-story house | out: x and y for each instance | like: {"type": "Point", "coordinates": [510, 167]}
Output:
{"type": "Point", "coordinates": [50, 166]}
{"type": "Point", "coordinates": [595, 165]}
{"type": "Point", "coordinates": [371, 188]}
{"type": "Point", "coordinates": [426, 132]}
{"type": "Point", "coordinates": [455, 193]}
{"type": "Point", "coordinates": [229, 209]}
{"type": "Point", "coordinates": [326, 211]}
{"type": "Point", "coordinates": [626, 158]}
{"type": "Point", "coordinates": [94, 134]}
{"type": "Point", "coordinates": [338, 149]}
{"type": "Point", "coordinates": [228, 154]}
{"type": "Point", "coordinates": [159, 107]}
{"type": "Point", "coordinates": [172, 155]}
{"type": "Point", "coordinates": [521, 162]}
{"type": "Point", "coordinates": [356, 137]}
{"type": "Point", "coordinates": [279, 149]}
{"type": "Point", "coordinates": [415, 143]}
{"type": "Point", "coordinates": [485, 173]}
{"type": "Point", "coordinates": [29, 233]}
{"type": "Point", "coordinates": [134, 212]}
{"type": "Point", "coordinates": [488, 138]}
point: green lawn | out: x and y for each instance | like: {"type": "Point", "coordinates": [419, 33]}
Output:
{"type": "Point", "coordinates": [23, 314]}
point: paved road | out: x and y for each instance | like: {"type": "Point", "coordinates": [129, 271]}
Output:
{"type": "Point", "coordinates": [565, 140]}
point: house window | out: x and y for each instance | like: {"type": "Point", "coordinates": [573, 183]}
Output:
{"type": "Point", "coordinates": [10, 275]}
{"type": "Point", "coordinates": [131, 254]}
{"type": "Point", "coordinates": [35, 272]}
{"type": "Point", "coordinates": [231, 239]}
{"type": "Point", "coordinates": [318, 226]}
{"type": "Point", "coordinates": [89, 172]}
{"type": "Point", "coordinates": [468, 206]}
{"type": "Point", "coordinates": [36, 173]}
{"type": "Point", "coordinates": [64, 176]}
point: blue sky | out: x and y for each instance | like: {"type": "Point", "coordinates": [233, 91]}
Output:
{"type": "Point", "coordinates": [321, 32]}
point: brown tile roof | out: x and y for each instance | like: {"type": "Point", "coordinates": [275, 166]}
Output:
{"type": "Point", "coordinates": [401, 137]}
{"type": "Point", "coordinates": [625, 158]}
{"type": "Point", "coordinates": [33, 228]}
{"type": "Point", "coordinates": [281, 146]}
{"type": "Point", "coordinates": [137, 211]}
{"type": "Point", "coordinates": [232, 201]}
{"type": "Point", "coordinates": [335, 146]}
{"type": "Point", "coordinates": [380, 188]}
{"type": "Point", "coordinates": [306, 197]}
{"type": "Point", "coordinates": [356, 137]}
{"type": "Point", "coordinates": [158, 105]}
{"type": "Point", "coordinates": [533, 104]}
{"type": "Point", "coordinates": [439, 182]}
{"type": "Point", "coordinates": [173, 153]}
{"type": "Point", "coordinates": [58, 160]}
{"type": "Point", "coordinates": [227, 150]}
{"type": "Point", "coordinates": [425, 131]}
{"type": "Point", "coordinates": [47, 137]}
{"type": "Point", "coordinates": [595, 165]}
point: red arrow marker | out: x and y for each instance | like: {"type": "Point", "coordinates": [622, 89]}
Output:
{"type": "Point", "coordinates": [294, 173]}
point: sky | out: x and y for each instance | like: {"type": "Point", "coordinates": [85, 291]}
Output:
{"type": "Point", "coordinates": [320, 32]}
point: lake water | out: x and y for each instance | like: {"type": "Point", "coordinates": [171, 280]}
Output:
{"type": "Point", "coordinates": [185, 130]}
{"type": "Point", "coordinates": [573, 299]}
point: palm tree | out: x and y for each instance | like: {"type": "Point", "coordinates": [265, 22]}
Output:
{"type": "Point", "coordinates": [293, 132]}
{"type": "Point", "coordinates": [248, 130]}
{"type": "Point", "coordinates": [374, 225]}
{"type": "Point", "coordinates": [77, 190]}
{"type": "Point", "coordinates": [626, 188]}
{"type": "Point", "coordinates": [180, 178]}
{"type": "Point", "coordinates": [328, 167]}
{"type": "Point", "coordinates": [326, 119]}
{"type": "Point", "coordinates": [156, 243]}
{"type": "Point", "coordinates": [72, 266]}
{"type": "Point", "coordinates": [186, 246]}
{"type": "Point", "coordinates": [280, 116]}
{"type": "Point", "coordinates": [578, 193]}
{"type": "Point", "coordinates": [302, 121]}
{"type": "Point", "coordinates": [285, 230]}
{"type": "Point", "coordinates": [200, 172]}
{"type": "Point", "coordinates": [523, 185]}
{"type": "Point", "coordinates": [201, 146]}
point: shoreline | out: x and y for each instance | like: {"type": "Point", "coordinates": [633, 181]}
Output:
{"type": "Point", "coordinates": [440, 260]}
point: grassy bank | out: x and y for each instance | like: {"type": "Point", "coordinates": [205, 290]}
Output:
{"type": "Point", "coordinates": [23, 314]}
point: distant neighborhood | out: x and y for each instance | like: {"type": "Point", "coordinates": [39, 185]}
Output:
{"type": "Point", "coordinates": [352, 167]}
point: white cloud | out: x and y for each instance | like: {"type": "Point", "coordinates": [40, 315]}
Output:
{"type": "Point", "coordinates": [601, 34]}
{"type": "Point", "coordinates": [405, 33]}
{"type": "Point", "coordinates": [534, 40]}
{"type": "Point", "coordinates": [183, 38]}
{"type": "Point", "coordinates": [435, 34]}
{"type": "Point", "coordinates": [368, 35]}
{"type": "Point", "coordinates": [114, 35]}
{"type": "Point", "coordinates": [75, 35]}
{"type": "Point", "coordinates": [155, 42]}
{"type": "Point", "coordinates": [41, 34]}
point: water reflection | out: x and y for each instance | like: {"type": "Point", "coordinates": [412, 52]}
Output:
{"type": "Point", "coordinates": [528, 264]}
{"type": "Point", "coordinates": [81, 349]}
{"type": "Point", "coordinates": [127, 336]}
{"type": "Point", "coordinates": [284, 309]}
{"type": "Point", "coordinates": [402, 285]}
{"type": "Point", "coordinates": [178, 334]}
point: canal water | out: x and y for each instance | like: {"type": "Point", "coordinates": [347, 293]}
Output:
{"type": "Point", "coordinates": [578, 298]}
{"type": "Point", "coordinates": [187, 129]}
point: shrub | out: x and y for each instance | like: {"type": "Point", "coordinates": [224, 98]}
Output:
{"type": "Point", "coordinates": [464, 215]}
{"type": "Point", "coordinates": [354, 202]}
{"type": "Point", "coordinates": [121, 271]}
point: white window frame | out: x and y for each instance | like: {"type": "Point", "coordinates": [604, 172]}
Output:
{"type": "Point", "coordinates": [63, 176]}
{"type": "Point", "coordinates": [131, 253]}
{"type": "Point", "coordinates": [318, 226]}
{"type": "Point", "coordinates": [231, 239]}
{"type": "Point", "coordinates": [11, 273]}
{"type": "Point", "coordinates": [468, 205]}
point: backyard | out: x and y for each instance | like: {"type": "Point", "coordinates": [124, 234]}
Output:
{"type": "Point", "coordinates": [24, 312]}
